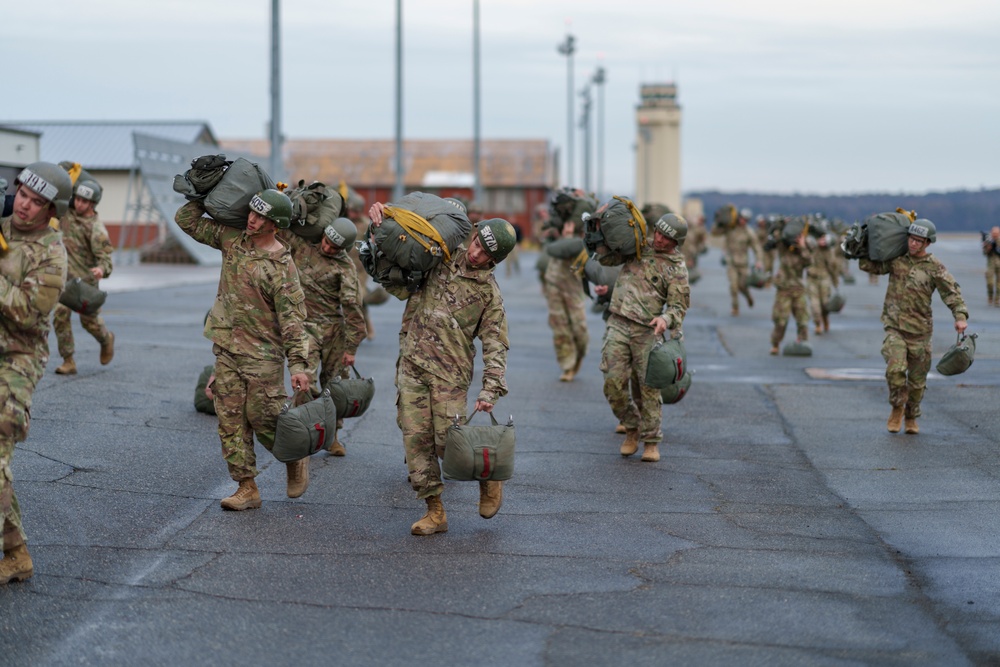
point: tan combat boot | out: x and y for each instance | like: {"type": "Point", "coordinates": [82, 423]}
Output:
{"type": "Point", "coordinates": [298, 477]}
{"type": "Point", "coordinates": [620, 428]}
{"type": "Point", "coordinates": [336, 447]}
{"type": "Point", "coordinates": [68, 367]}
{"type": "Point", "coordinates": [895, 419]}
{"type": "Point", "coordinates": [434, 521]}
{"type": "Point", "coordinates": [247, 497]}
{"type": "Point", "coordinates": [16, 565]}
{"type": "Point", "coordinates": [108, 349]}
{"type": "Point", "coordinates": [650, 452]}
{"type": "Point", "coordinates": [567, 375]}
{"type": "Point", "coordinates": [631, 443]}
{"type": "Point", "coordinates": [819, 329]}
{"type": "Point", "coordinates": [911, 426]}
{"type": "Point", "coordinates": [490, 498]}
{"type": "Point", "coordinates": [826, 322]}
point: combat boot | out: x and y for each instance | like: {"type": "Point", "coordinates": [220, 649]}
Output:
{"type": "Point", "coordinates": [819, 329]}
{"type": "Point", "coordinates": [620, 428]}
{"type": "Point", "coordinates": [16, 565]}
{"type": "Point", "coordinates": [826, 322]}
{"type": "Point", "coordinates": [108, 349]}
{"type": "Point", "coordinates": [774, 350]}
{"type": "Point", "coordinates": [895, 419]}
{"type": "Point", "coordinates": [650, 452]}
{"type": "Point", "coordinates": [336, 447]}
{"type": "Point", "coordinates": [631, 443]}
{"type": "Point", "coordinates": [68, 367]}
{"type": "Point", "coordinates": [567, 376]}
{"type": "Point", "coordinates": [434, 521]}
{"type": "Point", "coordinates": [490, 498]}
{"type": "Point", "coordinates": [298, 477]}
{"type": "Point", "coordinates": [911, 426]}
{"type": "Point", "coordinates": [247, 497]}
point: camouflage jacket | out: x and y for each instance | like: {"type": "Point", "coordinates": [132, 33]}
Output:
{"type": "Point", "coordinates": [912, 281]}
{"type": "Point", "coordinates": [739, 241]}
{"type": "Point", "coordinates": [32, 275]}
{"type": "Point", "coordinates": [87, 246]}
{"type": "Point", "coordinates": [559, 275]}
{"type": "Point", "coordinates": [652, 286]}
{"type": "Point", "coordinates": [458, 304]}
{"type": "Point", "coordinates": [259, 310]}
{"type": "Point", "coordinates": [331, 288]}
{"type": "Point", "coordinates": [792, 262]}
{"type": "Point", "coordinates": [822, 267]}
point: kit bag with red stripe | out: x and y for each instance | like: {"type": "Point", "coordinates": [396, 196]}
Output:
{"type": "Point", "coordinates": [351, 397]}
{"type": "Point", "coordinates": [304, 427]}
{"type": "Point", "coordinates": [666, 363]}
{"type": "Point", "coordinates": [479, 453]}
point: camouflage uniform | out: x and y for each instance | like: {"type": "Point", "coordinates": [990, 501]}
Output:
{"type": "Point", "coordinates": [656, 284]}
{"type": "Point", "coordinates": [567, 313]}
{"type": "Point", "coordinates": [32, 274]}
{"type": "Point", "coordinates": [87, 246]}
{"type": "Point", "coordinates": [790, 293]}
{"type": "Point", "coordinates": [768, 254]}
{"type": "Point", "coordinates": [459, 303]}
{"type": "Point", "coordinates": [739, 240]}
{"type": "Point", "coordinates": [908, 322]}
{"type": "Point", "coordinates": [992, 252]}
{"type": "Point", "coordinates": [256, 321]}
{"type": "Point", "coordinates": [821, 278]}
{"type": "Point", "coordinates": [334, 321]}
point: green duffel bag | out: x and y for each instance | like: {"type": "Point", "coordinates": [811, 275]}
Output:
{"type": "Point", "coordinates": [314, 206]}
{"type": "Point", "coordinates": [567, 248]}
{"type": "Point", "coordinates": [351, 397]}
{"type": "Point", "coordinates": [205, 173]}
{"type": "Point", "coordinates": [203, 403]}
{"type": "Point", "coordinates": [82, 297]}
{"type": "Point", "coordinates": [413, 247]}
{"type": "Point", "coordinates": [479, 453]}
{"type": "Point", "coordinates": [675, 392]}
{"type": "Point", "coordinates": [959, 356]}
{"type": "Point", "coordinates": [756, 278]}
{"type": "Point", "coordinates": [376, 297]}
{"type": "Point", "coordinates": [887, 235]}
{"type": "Point", "coordinates": [694, 275]}
{"type": "Point", "coordinates": [542, 263]}
{"type": "Point", "coordinates": [836, 302]}
{"type": "Point", "coordinates": [229, 201]}
{"type": "Point", "coordinates": [666, 363]}
{"type": "Point", "coordinates": [797, 349]}
{"type": "Point", "coordinates": [619, 226]}
{"type": "Point", "coordinates": [306, 428]}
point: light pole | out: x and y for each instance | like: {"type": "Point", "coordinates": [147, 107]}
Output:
{"type": "Point", "coordinates": [585, 126]}
{"type": "Point", "coordinates": [477, 190]}
{"type": "Point", "coordinates": [598, 80]}
{"type": "Point", "coordinates": [277, 161]}
{"type": "Point", "coordinates": [567, 48]}
{"type": "Point", "coordinates": [397, 191]}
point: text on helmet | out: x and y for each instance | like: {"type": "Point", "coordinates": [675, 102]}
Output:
{"type": "Point", "coordinates": [37, 184]}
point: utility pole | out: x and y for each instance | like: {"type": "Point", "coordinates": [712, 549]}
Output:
{"type": "Point", "coordinates": [567, 48]}
{"type": "Point", "coordinates": [585, 126]}
{"type": "Point", "coordinates": [397, 191]}
{"type": "Point", "coordinates": [277, 161]}
{"type": "Point", "coordinates": [477, 191]}
{"type": "Point", "coordinates": [598, 80]}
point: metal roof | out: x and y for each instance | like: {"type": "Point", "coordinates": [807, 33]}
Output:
{"type": "Point", "coordinates": [106, 144]}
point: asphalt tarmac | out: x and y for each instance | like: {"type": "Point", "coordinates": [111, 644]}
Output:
{"type": "Point", "coordinates": [783, 526]}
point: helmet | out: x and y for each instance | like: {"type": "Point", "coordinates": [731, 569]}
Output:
{"type": "Point", "coordinates": [341, 233]}
{"type": "Point", "coordinates": [672, 226]}
{"type": "Point", "coordinates": [89, 190]}
{"type": "Point", "coordinates": [497, 237]}
{"type": "Point", "coordinates": [746, 213]}
{"type": "Point", "coordinates": [273, 205]}
{"type": "Point", "coordinates": [49, 181]}
{"type": "Point", "coordinates": [923, 228]}
{"type": "Point", "coordinates": [457, 203]}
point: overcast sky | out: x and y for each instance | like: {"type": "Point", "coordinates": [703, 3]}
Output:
{"type": "Point", "coordinates": [777, 96]}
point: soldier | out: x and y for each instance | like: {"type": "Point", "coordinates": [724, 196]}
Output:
{"type": "Point", "coordinates": [459, 302]}
{"type": "Point", "coordinates": [355, 204]}
{"type": "Point", "coordinates": [790, 292]}
{"type": "Point", "coordinates": [88, 254]}
{"type": "Point", "coordinates": [32, 274]}
{"type": "Point", "coordinates": [908, 321]}
{"type": "Point", "coordinates": [650, 297]}
{"type": "Point", "coordinates": [769, 250]}
{"type": "Point", "coordinates": [991, 248]}
{"type": "Point", "coordinates": [738, 241]}
{"type": "Point", "coordinates": [257, 321]}
{"type": "Point", "coordinates": [335, 323]}
{"type": "Point", "coordinates": [821, 278]}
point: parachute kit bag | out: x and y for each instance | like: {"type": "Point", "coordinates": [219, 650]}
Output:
{"type": "Point", "coordinates": [479, 453]}
{"type": "Point", "coordinates": [959, 356]}
{"type": "Point", "coordinates": [666, 363]}
{"type": "Point", "coordinates": [314, 206]}
{"type": "Point", "coordinates": [725, 217]}
{"type": "Point", "coordinates": [229, 201]}
{"type": "Point", "coordinates": [306, 428]}
{"type": "Point", "coordinates": [836, 303]}
{"type": "Point", "coordinates": [203, 403]}
{"type": "Point", "coordinates": [797, 349]}
{"type": "Point", "coordinates": [756, 278]}
{"type": "Point", "coordinates": [673, 393]}
{"type": "Point", "coordinates": [567, 248]}
{"type": "Point", "coordinates": [82, 297]}
{"type": "Point", "coordinates": [351, 398]}
{"type": "Point", "coordinates": [887, 235]}
{"type": "Point", "coordinates": [617, 225]}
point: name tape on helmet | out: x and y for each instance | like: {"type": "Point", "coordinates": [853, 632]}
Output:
{"type": "Point", "coordinates": [666, 229]}
{"type": "Point", "coordinates": [259, 205]}
{"type": "Point", "coordinates": [85, 191]}
{"type": "Point", "coordinates": [486, 234]}
{"type": "Point", "coordinates": [335, 237]}
{"type": "Point", "coordinates": [37, 184]}
{"type": "Point", "coordinates": [919, 230]}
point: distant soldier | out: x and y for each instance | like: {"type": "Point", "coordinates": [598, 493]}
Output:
{"type": "Point", "coordinates": [88, 253]}
{"type": "Point", "coordinates": [908, 320]}
{"type": "Point", "coordinates": [256, 322]}
{"type": "Point", "coordinates": [355, 204]}
{"type": "Point", "coordinates": [650, 298]}
{"type": "Point", "coordinates": [821, 278]}
{"type": "Point", "coordinates": [739, 240]}
{"type": "Point", "coordinates": [32, 274]}
{"type": "Point", "coordinates": [769, 249]}
{"type": "Point", "coordinates": [991, 248]}
{"type": "Point", "coordinates": [790, 291]}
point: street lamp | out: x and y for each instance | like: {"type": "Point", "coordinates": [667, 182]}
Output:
{"type": "Point", "coordinates": [567, 48]}
{"type": "Point", "coordinates": [598, 80]}
{"type": "Point", "coordinates": [585, 126]}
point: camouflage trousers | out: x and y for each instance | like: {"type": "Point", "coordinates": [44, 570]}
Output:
{"type": "Point", "coordinates": [738, 275]}
{"type": "Point", "coordinates": [789, 301]}
{"type": "Point", "coordinates": [769, 257]}
{"type": "Point", "coordinates": [425, 406]}
{"type": "Point", "coordinates": [325, 359]}
{"type": "Point", "coordinates": [993, 278]}
{"type": "Point", "coordinates": [568, 321]}
{"type": "Point", "coordinates": [623, 361]}
{"type": "Point", "coordinates": [14, 423]}
{"type": "Point", "coordinates": [819, 296]}
{"type": "Point", "coordinates": [62, 322]}
{"type": "Point", "coordinates": [249, 395]}
{"type": "Point", "coordinates": [907, 361]}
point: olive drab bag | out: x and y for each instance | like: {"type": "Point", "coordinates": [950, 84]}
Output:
{"type": "Point", "coordinates": [959, 356]}
{"type": "Point", "coordinates": [666, 363]}
{"type": "Point", "coordinates": [203, 403]}
{"type": "Point", "coordinates": [567, 248]}
{"type": "Point", "coordinates": [304, 427]}
{"type": "Point", "coordinates": [82, 297]}
{"type": "Point", "coordinates": [756, 278]}
{"type": "Point", "coordinates": [673, 393]}
{"type": "Point", "coordinates": [618, 226]}
{"type": "Point", "coordinates": [313, 207]}
{"type": "Point", "coordinates": [229, 201]}
{"type": "Point", "coordinates": [879, 237]}
{"type": "Point", "coordinates": [351, 397]}
{"type": "Point", "coordinates": [479, 453]}
{"type": "Point", "coordinates": [797, 349]}
{"type": "Point", "coordinates": [836, 302]}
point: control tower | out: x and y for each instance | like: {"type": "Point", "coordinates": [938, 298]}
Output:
{"type": "Point", "coordinates": [658, 146]}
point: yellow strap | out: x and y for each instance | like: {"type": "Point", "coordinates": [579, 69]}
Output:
{"type": "Point", "coordinates": [579, 262]}
{"type": "Point", "coordinates": [912, 215]}
{"type": "Point", "coordinates": [342, 189]}
{"type": "Point", "coordinates": [74, 172]}
{"type": "Point", "coordinates": [417, 225]}
{"type": "Point", "coordinates": [632, 222]}
{"type": "Point", "coordinates": [3, 243]}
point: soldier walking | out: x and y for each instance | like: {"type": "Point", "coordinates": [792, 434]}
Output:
{"type": "Point", "coordinates": [739, 240]}
{"type": "Point", "coordinates": [991, 248]}
{"type": "Point", "coordinates": [790, 291]}
{"type": "Point", "coordinates": [821, 278]}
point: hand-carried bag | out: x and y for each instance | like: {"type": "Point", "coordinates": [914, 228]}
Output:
{"type": "Point", "coordinates": [836, 303]}
{"type": "Point", "coordinates": [351, 398]}
{"type": "Point", "coordinates": [675, 392]}
{"type": "Point", "coordinates": [306, 428]}
{"type": "Point", "coordinates": [797, 349]}
{"type": "Point", "coordinates": [666, 363]}
{"type": "Point", "coordinates": [82, 297]}
{"type": "Point", "coordinates": [479, 453]}
{"type": "Point", "coordinates": [959, 356]}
